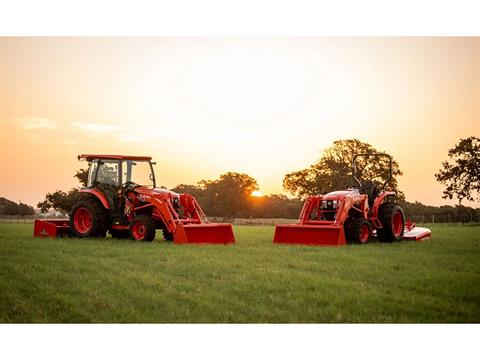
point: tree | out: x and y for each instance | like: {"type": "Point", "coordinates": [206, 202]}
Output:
{"type": "Point", "coordinates": [228, 196]}
{"type": "Point", "coordinates": [333, 171]}
{"type": "Point", "coordinates": [276, 206]}
{"type": "Point", "coordinates": [63, 201]}
{"type": "Point", "coordinates": [25, 209]}
{"type": "Point", "coordinates": [194, 190]}
{"type": "Point", "coordinates": [12, 208]}
{"type": "Point", "coordinates": [82, 176]}
{"type": "Point", "coordinates": [462, 176]}
{"type": "Point", "coordinates": [60, 201]}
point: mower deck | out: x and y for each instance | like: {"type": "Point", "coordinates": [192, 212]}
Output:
{"type": "Point", "coordinates": [417, 234]}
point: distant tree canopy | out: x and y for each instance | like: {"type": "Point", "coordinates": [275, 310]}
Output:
{"type": "Point", "coordinates": [228, 196]}
{"type": "Point", "coordinates": [60, 201]}
{"type": "Point", "coordinates": [82, 176]}
{"type": "Point", "coordinates": [461, 177]}
{"type": "Point", "coordinates": [194, 190]}
{"type": "Point", "coordinates": [444, 213]}
{"type": "Point", "coordinates": [63, 201]}
{"type": "Point", "coordinates": [8, 207]}
{"type": "Point", "coordinates": [275, 206]}
{"type": "Point", "coordinates": [333, 171]}
{"type": "Point", "coordinates": [217, 198]}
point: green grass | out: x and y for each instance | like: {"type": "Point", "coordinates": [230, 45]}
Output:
{"type": "Point", "coordinates": [120, 281]}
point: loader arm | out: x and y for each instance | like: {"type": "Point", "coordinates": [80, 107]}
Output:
{"type": "Point", "coordinates": [193, 209]}
{"type": "Point", "coordinates": [164, 212]}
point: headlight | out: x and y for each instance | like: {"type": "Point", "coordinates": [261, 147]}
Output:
{"type": "Point", "coordinates": [334, 204]}
{"type": "Point", "coordinates": [324, 204]}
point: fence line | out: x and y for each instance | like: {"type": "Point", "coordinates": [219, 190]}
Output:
{"type": "Point", "coordinates": [29, 219]}
{"type": "Point", "coordinates": [466, 219]}
{"type": "Point", "coordinates": [463, 219]}
{"type": "Point", "coordinates": [10, 219]}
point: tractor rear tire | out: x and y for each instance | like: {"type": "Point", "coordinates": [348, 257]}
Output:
{"type": "Point", "coordinates": [142, 228]}
{"type": "Point", "coordinates": [393, 223]}
{"type": "Point", "coordinates": [358, 231]}
{"type": "Point", "coordinates": [88, 218]}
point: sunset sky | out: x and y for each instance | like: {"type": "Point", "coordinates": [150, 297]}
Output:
{"type": "Point", "coordinates": [204, 106]}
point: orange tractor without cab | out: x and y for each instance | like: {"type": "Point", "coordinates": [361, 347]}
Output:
{"type": "Point", "coordinates": [351, 216]}
{"type": "Point", "coordinates": [121, 197]}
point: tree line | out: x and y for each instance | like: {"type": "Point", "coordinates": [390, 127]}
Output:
{"type": "Point", "coordinates": [8, 207]}
{"type": "Point", "coordinates": [230, 196]}
{"type": "Point", "coordinates": [419, 212]}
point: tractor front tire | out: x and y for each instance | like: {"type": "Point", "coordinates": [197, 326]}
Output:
{"type": "Point", "coordinates": [358, 231]}
{"type": "Point", "coordinates": [142, 228]}
{"type": "Point", "coordinates": [168, 236]}
{"type": "Point", "coordinates": [393, 223]}
{"type": "Point", "coordinates": [88, 218]}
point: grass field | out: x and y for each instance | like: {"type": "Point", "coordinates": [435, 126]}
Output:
{"type": "Point", "coordinates": [120, 281]}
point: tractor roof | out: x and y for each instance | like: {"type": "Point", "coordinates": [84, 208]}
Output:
{"type": "Point", "coordinates": [90, 157]}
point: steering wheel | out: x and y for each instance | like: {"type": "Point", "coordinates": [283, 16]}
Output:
{"type": "Point", "coordinates": [130, 184]}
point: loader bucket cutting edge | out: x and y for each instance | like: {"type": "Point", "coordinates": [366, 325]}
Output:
{"type": "Point", "coordinates": [204, 234]}
{"type": "Point", "coordinates": [321, 235]}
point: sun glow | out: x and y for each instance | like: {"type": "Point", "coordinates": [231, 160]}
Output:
{"type": "Point", "coordinates": [204, 106]}
{"type": "Point", "coordinates": [256, 193]}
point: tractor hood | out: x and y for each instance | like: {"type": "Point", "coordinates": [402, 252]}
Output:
{"type": "Point", "coordinates": [339, 194]}
{"type": "Point", "coordinates": [157, 192]}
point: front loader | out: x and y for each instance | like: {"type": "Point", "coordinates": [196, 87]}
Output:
{"type": "Point", "coordinates": [351, 216]}
{"type": "Point", "coordinates": [121, 197]}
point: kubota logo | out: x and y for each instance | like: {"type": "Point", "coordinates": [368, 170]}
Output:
{"type": "Point", "coordinates": [144, 198]}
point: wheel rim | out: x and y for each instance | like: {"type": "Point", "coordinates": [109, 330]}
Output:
{"type": "Point", "coordinates": [83, 220]}
{"type": "Point", "coordinates": [138, 230]}
{"type": "Point", "coordinates": [397, 223]}
{"type": "Point", "coordinates": [364, 233]}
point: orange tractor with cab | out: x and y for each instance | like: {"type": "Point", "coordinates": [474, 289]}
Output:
{"type": "Point", "coordinates": [351, 216]}
{"type": "Point", "coordinates": [121, 197]}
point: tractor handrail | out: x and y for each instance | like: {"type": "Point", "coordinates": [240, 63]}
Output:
{"type": "Point", "coordinates": [354, 167]}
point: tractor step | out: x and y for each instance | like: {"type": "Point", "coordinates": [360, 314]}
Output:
{"type": "Point", "coordinates": [204, 234]}
{"type": "Point", "coordinates": [321, 235]}
{"type": "Point", "coordinates": [51, 228]}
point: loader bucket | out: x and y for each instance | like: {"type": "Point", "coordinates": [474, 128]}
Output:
{"type": "Point", "coordinates": [51, 228]}
{"type": "Point", "coordinates": [322, 235]}
{"type": "Point", "coordinates": [204, 234]}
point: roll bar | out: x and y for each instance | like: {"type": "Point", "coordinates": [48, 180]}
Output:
{"type": "Point", "coordinates": [354, 166]}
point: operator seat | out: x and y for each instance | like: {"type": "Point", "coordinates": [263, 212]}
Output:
{"type": "Point", "coordinates": [371, 190]}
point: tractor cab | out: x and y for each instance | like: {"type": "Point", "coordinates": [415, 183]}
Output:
{"type": "Point", "coordinates": [114, 175]}
{"type": "Point", "coordinates": [127, 171]}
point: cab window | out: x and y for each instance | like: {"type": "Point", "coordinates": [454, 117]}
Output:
{"type": "Point", "coordinates": [107, 173]}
